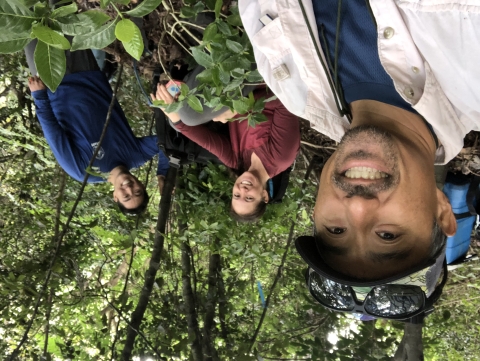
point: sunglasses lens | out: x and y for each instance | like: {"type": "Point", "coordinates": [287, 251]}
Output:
{"type": "Point", "coordinates": [330, 293]}
{"type": "Point", "coordinates": [392, 300]}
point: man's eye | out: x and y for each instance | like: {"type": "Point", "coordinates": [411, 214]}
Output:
{"type": "Point", "coordinates": [387, 236]}
{"type": "Point", "coordinates": [249, 199]}
{"type": "Point", "coordinates": [335, 230]}
{"type": "Point", "coordinates": [236, 196]}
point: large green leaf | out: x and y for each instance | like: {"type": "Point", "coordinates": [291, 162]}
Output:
{"type": "Point", "coordinates": [12, 46]}
{"type": "Point", "coordinates": [50, 37]}
{"type": "Point", "coordinates": [51, 64]}
{"type": "Point", "coordinates": [84, 23]}
{"type": "Point", "coordinates": [241, 105]}
{"type": "Point", "coordinates": [234, 46]}
{"type": "Point", "coordinates": [195, 103]}
{"type": "Point", "coordinates": [218, 8]}
{"type": "Point", "coordinates": [202, 58]}
{"type": "Point", "coordinates": [15, 20]}
{"type": "Point", "coordinates": [124, 30]}
{"type": "Point", "coordinates": [96, 40]}
{"type": "Point", "coordinates": [64, 11]}
{"type": "Point", "coordinates": [104, 3]}
{"type": "Point", "coordinates": [145, 8]}
{"type": "Point", "coordinates": [135, 46]}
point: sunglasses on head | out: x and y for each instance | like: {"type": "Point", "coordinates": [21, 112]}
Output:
{"type": "Point", "coordinates": [389, 301]}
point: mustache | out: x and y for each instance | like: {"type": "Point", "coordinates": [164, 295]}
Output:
{"type": "Point", "coordinates": [361, 190]}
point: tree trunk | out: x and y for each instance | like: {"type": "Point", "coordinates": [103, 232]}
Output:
{"type": "Point", "coordinates": [190, 310]}
{"type": "Point", "coordinates": [411, 346]}
{"type": "Point", "coordinates": [209, 351]}
{"type": "Point", "coordinates": [137, 315]}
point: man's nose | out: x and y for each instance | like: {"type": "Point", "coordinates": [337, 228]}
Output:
{"type": "Point", "coordinates": [360, 208]}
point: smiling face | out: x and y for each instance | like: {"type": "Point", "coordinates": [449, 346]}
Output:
{"type": "Point", "coordinates": [247, 192]}
{"type": "Point", "coordinates": [128, 190]}
{"type": "Point", "coordinates": [376, 204]}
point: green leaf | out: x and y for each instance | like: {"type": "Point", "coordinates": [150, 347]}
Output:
{"type": "Point", "coordinates": [184, 89]}
{"type": "Point", "coordinates": [238, 73]}
{"type": "Point", "coordinates": [234, 20]}
{"type": "Point", "coordinates": [235, 83]}
{"type": "Point", "coordinates": [210, 32]}
{"type": "Point", "coordinates": [174, 107]}
{"type": "Point", "coordinates": [64, 11]}
{"type": "Point", "coordinates": [219, 56]}
{"type": "Point", "coordinates": [205, 76]}
{"type": "Point", "coordinates": [97, 40]}
{"type": "Point", "coordinates": [84, 23]}
{"type": "Point", "coordinates": [195, 103]}
{"type": "Point", "coordinates": [218, 8]}
{"type": "Point", "coordinates": [199, 7]}
{"type": "Point", "coordinates": [135, 46]}
{"type": "Point", "coordinates": [50, 37]}
{"type": "Point", "coordinates": [145, 8]}
{"type": "Point", "coordinates": [50, 63]}
{"type": "Point", "coordinates": [41, 9]}
{"type": "Point", "coordinates": [12, 46]}
{"type": "Point", "coordinates": [104, 3]}
{"type": "Point", "coordinates": [241, 106]}
{"type": "Point", "coordinates": [234, 46]}
{"type": "Point", "coordinates": [210, 4]}
{"type": "Point", "coordinates": [202, 58]}
{"type": "Point", "coordinates": [188, 12]}
{"type": "Point", "coordinates": [251, 99]}
{"type": "Point", "coordinates": [259, 118]}
{"type": "Point", "coordinates": [254, 76]}
{"type": "Point", "coordinates": [28, 3]}
{"type": "Point", "coordinates": [123, 2]}
{"type": "Point", "coordinates": [259, 105]}
{"type": "Point", "coordinates": [224, 76]}
{"type": "Point", "coordinates": [125, 29]}
{"type": "Point", "coordinates": [15, 20]}
{"type": "Point", "coordinates": [216, 76]}
{"type": "Point", "coordinates": [224, 28]}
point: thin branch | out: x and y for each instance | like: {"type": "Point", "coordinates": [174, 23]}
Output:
{"type": "Point", "coordinates": [15, 352]}
{"type": "Point", "coordinates": [137, 315]}
{"type": "Point", "coordinates": [47, 325]}
{"type": "Point", "coordinates": [280, 268]}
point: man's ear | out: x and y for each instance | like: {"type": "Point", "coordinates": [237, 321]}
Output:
{"type": "Point", "coordinates": [115, 198]}
{"type": "Point", "coordinates": [445, 217]}
{"type": "Point", "coordinates": [265, 196]}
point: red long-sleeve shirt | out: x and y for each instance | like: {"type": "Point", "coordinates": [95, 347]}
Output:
{"type": "Point", "coordinates": [276, 142]}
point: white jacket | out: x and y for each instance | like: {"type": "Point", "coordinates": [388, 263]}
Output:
{"type": "Point", "coordinates": [430, 48]}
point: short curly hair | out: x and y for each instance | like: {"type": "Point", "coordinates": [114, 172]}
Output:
{"type": "Point", "coordinates": [137, 210]}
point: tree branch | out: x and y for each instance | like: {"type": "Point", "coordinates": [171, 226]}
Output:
{"type": "Point", "coordinates": [280, 268]}
{"type": "Point", "coordinates": [191, 312]}
{"type": "Point", "coordinates": [137, 315]}
{"type": "Point", "coordinates": [209, 350]}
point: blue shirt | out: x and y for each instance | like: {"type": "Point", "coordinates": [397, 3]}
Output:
{"type": "Point", "coordinates": [360, 72]}
{"type": "Point", "coordinates": [72, 120]}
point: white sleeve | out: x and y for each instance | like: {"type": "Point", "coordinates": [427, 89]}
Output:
{"type": "Point", "coordinates": [273, 54]}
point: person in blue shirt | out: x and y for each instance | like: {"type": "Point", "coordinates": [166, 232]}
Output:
{"type": "Point", "coordinates": [72, 119]}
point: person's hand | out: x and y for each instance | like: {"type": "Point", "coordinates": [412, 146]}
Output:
{"type": "Point", "coordinates": [161, 182]}
{"type": "Point", "coordinates": [163, 94]}
{"type": "Point", "coordinates": [34, 83]}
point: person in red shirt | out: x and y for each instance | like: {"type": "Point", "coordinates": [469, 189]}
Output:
{"type": "Point", "coordinates": [260, 152]}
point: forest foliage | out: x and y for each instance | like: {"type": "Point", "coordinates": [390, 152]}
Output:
{"type": "Point", "coordinates": [211, 270]}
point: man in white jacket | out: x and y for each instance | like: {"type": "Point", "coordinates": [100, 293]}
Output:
{"type": "Point", "coordinates": [398, 83]}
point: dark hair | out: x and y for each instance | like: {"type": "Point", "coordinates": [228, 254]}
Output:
{"type": "Point", "coordinates": [439, 241]}
{"type": "Point", "coordinates": [250, 217]}
{"type": "Point", "coordinates": [139, 209]}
